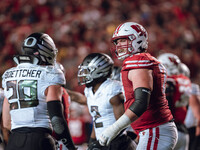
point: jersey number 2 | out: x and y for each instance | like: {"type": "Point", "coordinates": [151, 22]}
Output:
{"type": "Point", "coordinates": [94, 110]}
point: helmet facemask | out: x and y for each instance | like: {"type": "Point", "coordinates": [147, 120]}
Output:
{"type": "Point", "coordinates": [122, 51]}
{"type": "Point", "coordinates": [84, 74]}
{"type": "Point", "coordinates": [183, 69]}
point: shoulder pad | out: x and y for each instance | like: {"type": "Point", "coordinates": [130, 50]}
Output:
{"type": "Point", "coordinates": [114, 87]}
{"type": "Point", "coordinates": [55, 75]}
{"type": "Point", "coordinates": [138, 61]}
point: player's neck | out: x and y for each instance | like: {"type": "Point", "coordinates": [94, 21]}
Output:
{"type": "Point", "coordinates": [96, 87]}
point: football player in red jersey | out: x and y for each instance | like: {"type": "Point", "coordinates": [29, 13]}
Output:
{"type": "Point", "coordinates": [178, 92]}
{"type": "Point", "coordinates": [192, 119]}
{"type": "Point", "coordinates": [144, 80]}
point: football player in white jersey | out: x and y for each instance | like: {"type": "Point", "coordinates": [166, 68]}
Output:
{"type": "Point", "coordinates": [33, 92]}
{"type": "Point", "coordinates": [104, 99]}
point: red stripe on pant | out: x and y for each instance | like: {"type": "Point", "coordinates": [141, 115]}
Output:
{"type": "Point", "coordinates": [60, 146]}
{"type": "Point", "coordinates": [150, 139]}
{"type": "Point", "coordinates": [156, 139]}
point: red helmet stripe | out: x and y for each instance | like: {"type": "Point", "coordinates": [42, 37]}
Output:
{"type": "Point", "coordinates": [139, 30]}
{"type": "Point", "coordinates": [117, 30]}
{"type": "Point", "coordinates": [173, 60]}
{"type": "Point", "coordinates": [136, 28]}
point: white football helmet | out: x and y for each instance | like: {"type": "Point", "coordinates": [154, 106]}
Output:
{"type": "Point", "coordinates": [42, 46]}
{"type": "Point", "coordinates": [94, 68]}
{"type": "Point", "coordinates": [171, 63]}
{"type": "Point", "coordinates": [183, 69]}
{"type": "Point", "coordinates": [135, 33]}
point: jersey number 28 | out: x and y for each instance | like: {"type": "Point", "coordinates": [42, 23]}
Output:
{"type": "Point", "coordinates": [25, 91]}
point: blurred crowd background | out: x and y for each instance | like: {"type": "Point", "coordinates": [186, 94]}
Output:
{"type": "Point", "coordinates": [79, 27]}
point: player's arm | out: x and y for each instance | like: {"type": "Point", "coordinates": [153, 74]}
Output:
{"type": "Point", "coordinates": [6, 114]}
{"type": "Point", "coordinates": [197, 133]}
{"type": "Point", "coordinates": [6, 120]}
{"type": "Point", "coordinates": [92, 136]}
{"type": "Point", "coordinates": [77, 97]}
{"type": "Point", "coordinates": [142, 81]}
{"type": "Point", "coordinates": [55, 109]}
{"type": "Point", "coordinates": [93, 143]}
{"type": "Point", "coordinates": [5, 133]}
{"type": "Point", "coordinates": [117, 103]}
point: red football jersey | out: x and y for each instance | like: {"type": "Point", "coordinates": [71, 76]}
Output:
{"type": "Point", "coordinates": [158, 111]}
{"type": "Point", "coordinates": [79, 130]}
{"type": "Point", "coordinates": [181, 95]}
{"type": "Point", "coordinates": [65, 101]}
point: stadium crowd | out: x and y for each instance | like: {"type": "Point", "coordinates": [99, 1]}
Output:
{"type": "Point", "coordinates": [80, 27]}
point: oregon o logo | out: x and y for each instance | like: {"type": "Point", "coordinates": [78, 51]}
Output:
{"type": "Point", "coordinates": [30, 42]}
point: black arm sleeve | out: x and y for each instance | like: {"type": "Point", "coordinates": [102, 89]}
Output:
{"type": "Point", "coordinates": [59, 123]}
{"type": "Point", "coordinates": [142, 98]}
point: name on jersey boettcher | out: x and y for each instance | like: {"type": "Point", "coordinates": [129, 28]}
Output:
{"type": "Point", "coordinates": [23, 73]}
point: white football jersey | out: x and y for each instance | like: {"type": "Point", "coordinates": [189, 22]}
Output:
{"type": "Point", "coordinates": [190, 120]}
{"type": "Point", "coordinates": [1, 99]}
{"type": "Point", "coordinates": [99, 104]}
{"type": "Point", "coordinates": [24, 87]}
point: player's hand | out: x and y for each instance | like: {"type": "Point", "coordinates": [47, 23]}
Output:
{"type": "Point", "coordinates": [107, 136]}
{"type": "Point", "coordinates": [94, 146]}
{"type": "Point", "coordinates": [112, 131]}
